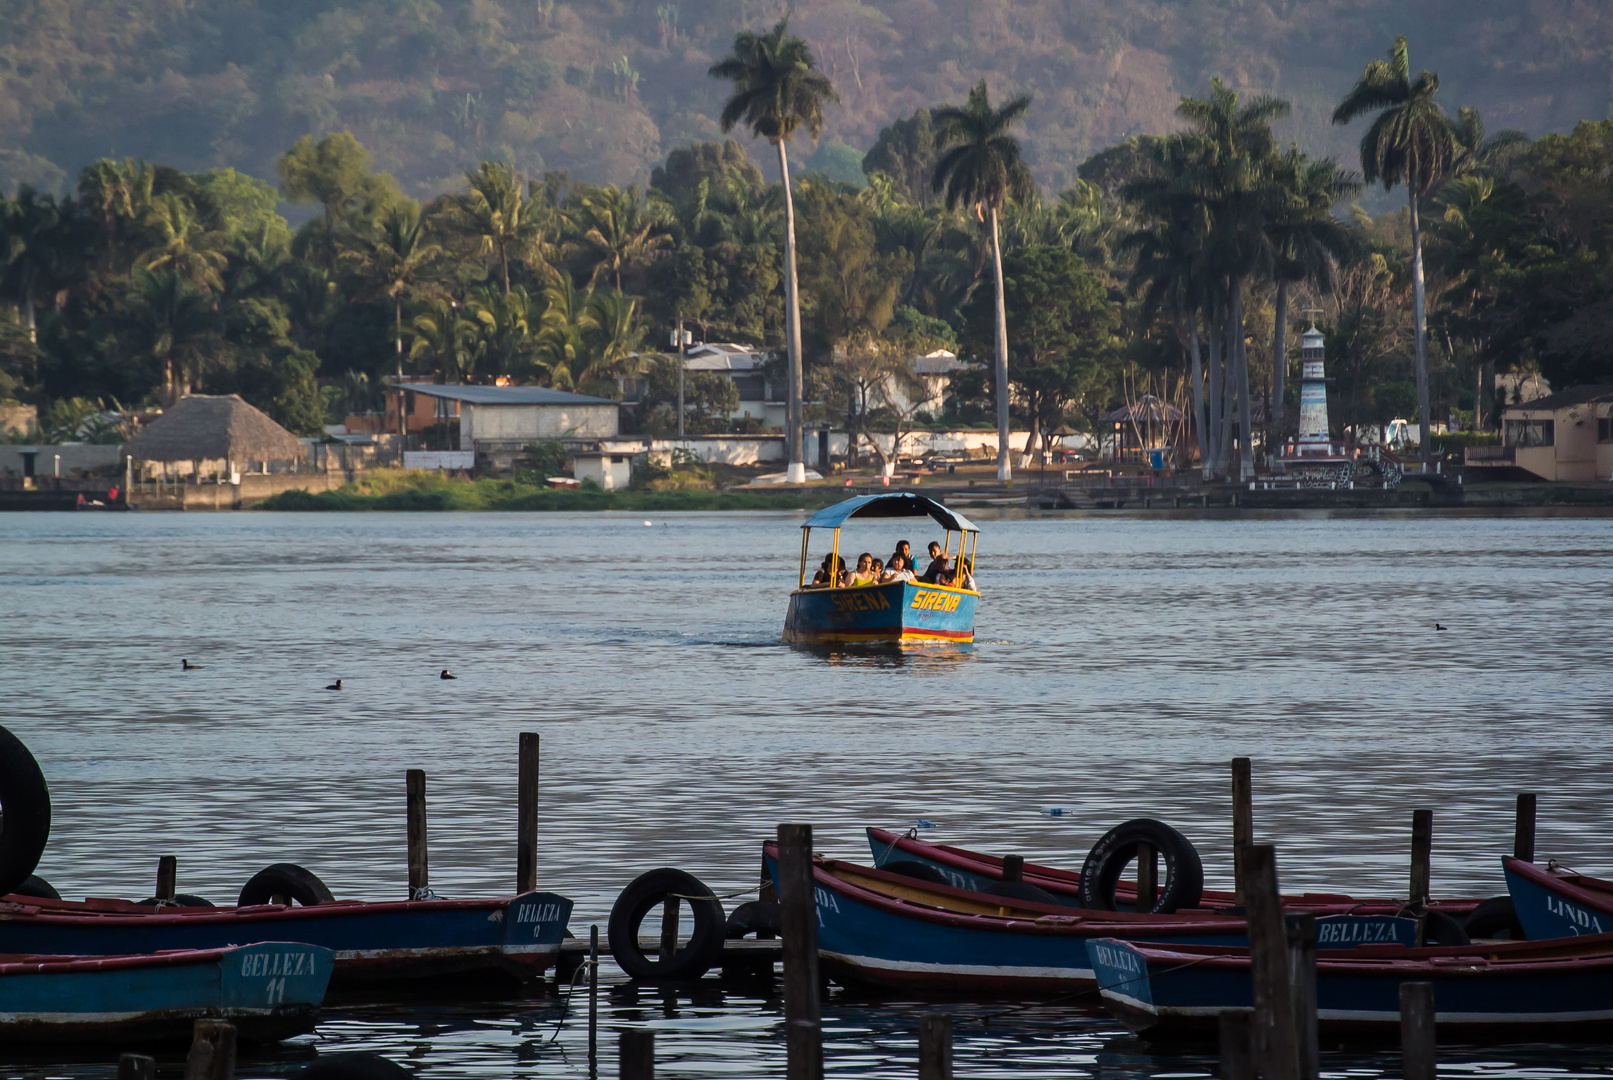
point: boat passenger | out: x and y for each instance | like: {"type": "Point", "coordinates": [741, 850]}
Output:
{"type": "Point", "coordinates": [863, 575]}
{"type": "Point", "coordinates": [963, 576]}
{"type": "Point", "coordinates": [937, 567]}
{"type": "Point", "coordinates": [826, 577]}
{"type": "Point", "coordinates": [898, 570]}
{"type": "Point", "coordinates": [905, 550]}
{"type": "Point", "coordinates": [878, 567]}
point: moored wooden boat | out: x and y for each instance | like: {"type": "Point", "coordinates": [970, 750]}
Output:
{"type": "Point", "coordinates": [1494, 992]}
{"type": "Point", "coordinates": [974, 871]}
{"type": "Point", "coordinates": [381, 950]}
{"type": "Point", "coordinates": [895, 613]}
{"type": "Point", "coordinates": [1554, 902]}
{"type": "Point", "coordinates": [269, 991]}
{"type": "Point", "coordinates": [881, 928]}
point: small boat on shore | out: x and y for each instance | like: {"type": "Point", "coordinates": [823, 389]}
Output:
{"type": "Point", "coordinates": [269, 991]}
{"type": "Point", "coordinates": [1495, 992]}
{"type": "Point", "coordinates": [900, 612]}
{"type": "Point", "coordinates": [1554, 902]}
{"type": "Point", "coordinates": [381, 950]}
{"type": "Point", "coordinates": [881, 928]}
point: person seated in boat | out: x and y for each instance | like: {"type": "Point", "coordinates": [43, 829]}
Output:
{"type": "Point", "coordinates": [863, 575]}
{"type": "Point", "coordinates": [963, 575]}
{"type": "Point", "coordinates": [938, 564]}
{"type": "Point", "coordinates": [897, 571]}
{"type": "Point", "coordinates": [878, 567]}
{"type": "Point", "coordinates": [905, 550]}
{"type": "Point", "coordinates": [827, 576]}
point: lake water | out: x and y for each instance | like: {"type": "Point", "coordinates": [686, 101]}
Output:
{"type": "Point", "coordinates": [1120, 662]}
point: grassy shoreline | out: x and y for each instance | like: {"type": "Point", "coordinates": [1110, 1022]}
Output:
{"type": "Point", "coordinates": [397, 491]}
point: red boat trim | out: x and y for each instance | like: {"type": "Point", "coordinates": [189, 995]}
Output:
{"type": "Point", "coordinates": [1564, 884]}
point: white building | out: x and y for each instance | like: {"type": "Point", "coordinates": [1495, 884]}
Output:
{"type": "Point", "coordinates": [497, 423]}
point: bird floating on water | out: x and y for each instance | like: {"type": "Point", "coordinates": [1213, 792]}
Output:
{"type": "Point", "coordinates": [446, 674]}
{"type": "Point", "coordinates": [337, 685]}
{"type": "Point", "coordinates": [186, 665]}
{"type": "Point", "coordinates": [1438, 627]}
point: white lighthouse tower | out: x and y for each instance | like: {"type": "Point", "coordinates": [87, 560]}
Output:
{"type": "Point", "coordinates": [1314, 440]}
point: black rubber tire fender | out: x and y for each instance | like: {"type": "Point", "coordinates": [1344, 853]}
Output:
{"type": "Point", "coordinates": [179, 900]}
{"type": "Point", "coordinates": [917, 871]}
{"type": "Point", "coordinates": [36, 886]}
{"type": "Point", "coordinates": [353, 1067]}
{"type": "Point", "coordinates": [1021, 890]}
{"type": "Point", "coordinates": [1184, 872]}
{"type": "Point", "coordinates": [1442, 929]}
{"type": "Point", "coordinates": [1494, 918]}
{"type": "Point", "coordinates": [25, 802]}
{"type": "Point", "coordinates": [704, 948]}
{"type": "Point", "coordinates": [284, 879]}
{"type": "Point", "coordinates": [760, 917]}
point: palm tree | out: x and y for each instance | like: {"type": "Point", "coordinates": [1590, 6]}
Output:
{"type": "Point", "coordinates": [1477, 154]}
{"type": "Point", "coordinates": [446, 337]}
{"type": "Point", "coordinates": [1410, 142]}
{"type": "Point", "coordinates": [504, 223]}
{"type": "Point", "coordinates": [619, 232]}
{"type": "Point", "coordinates": [183, 243]}
{"type": "Point", "coordinates": [393, 259]}
{"type": "Point", "coordinates": [778, 89]}
{"type": "Point", "coordinates": [981, 166]}
{"type": "Point", "coordinates": [172, 315]}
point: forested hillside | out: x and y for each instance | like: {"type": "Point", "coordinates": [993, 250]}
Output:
{"type": "Point", "coordinates": [605, 89]}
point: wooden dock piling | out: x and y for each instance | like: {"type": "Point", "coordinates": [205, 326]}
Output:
{"type": "Point", "coordinates": [593, 998]}
{"type": "Point", "coordinates": [1013, 868]}
{"type": "Point", "coordinates": [212, 1051]}
{"type": "Point", "coordinates": [636, 1055]}
{"type": "Point", "coordinates": [1302, 980]}
{"type": "Point", "coordinates": [137, 1067]}
{"type": "Point", "coordinates": [167, 877]}
{"type": "Point", "coordinates": [1417, 1030]}
{"type": "Point", "coordinates": [1147, 877]}
{"type": "Point", "coordinates": [669, 928]}
{"type": "Point", "coordinates": [798, 915]}
{"type": "Point", "coordinates": [419, 872]}
{"type": "Point", "coordinates": [1275, 1042]}
{"type": "Point", "coordinates": [1523, 832]}
{"type": "Point", "coordinates": [935, 1047]}
{"type": "Point", "coordinates": [1235, 1036]}
{"type": "Point", "coordinates": [1243, 821]}
{"type": "Point", "coordinates": [1422, 843]}
{"type": "Point", "coordinates": [526, 809]}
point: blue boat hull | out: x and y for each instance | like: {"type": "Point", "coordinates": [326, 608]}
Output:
{"type": "Point", "coordinates": [1166, 995]}
{"type": "Point", "coordinates": [1549, 909]}
{"type": "Point", "coordinates": [901, 612]}
{"type": "Point", "coordinates": [379, 948]}
{"type": "Point", "coordinates": [269, 991]}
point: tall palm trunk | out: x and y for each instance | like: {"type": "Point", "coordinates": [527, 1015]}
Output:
{"type": "Point", "coordinates": [1419, 324]}
{"type": "Point", "coordinates": [1198, 396]}
{"type": "Point", "coordinates": [1246, 434]}
{"type": "Point", "coordinates": [796, 473]}
{"type": "Point", "coordinates": [1229, 397]}
{"type": "Point", "coordinates": [1031, 439]}
{"type": "Point", "coordinates": [397, 317]}
{"type": "Point", "coordinates": [1005, 472]}
{"type": "Point", "coordinates": [1478, 390]}
{"type": "Point", "coordinates": [1213, 402]}
{"type": "Point", "coordinates": [1279, 360]}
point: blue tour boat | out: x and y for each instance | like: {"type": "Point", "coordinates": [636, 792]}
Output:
{"type": "Point", "coordinates": [1554, 902]}
{"type": "Point", "coordinates": [269, 991]}
{"type": "Point", "coordinates": [1510, 991]}
{"type": "Point", "coordinates": [381, 950]}
{"type": "Point", "coordinates": [899, 612]}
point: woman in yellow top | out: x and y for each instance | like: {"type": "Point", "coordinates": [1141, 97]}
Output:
{"type": "Point", "coordinates": [864, 574]}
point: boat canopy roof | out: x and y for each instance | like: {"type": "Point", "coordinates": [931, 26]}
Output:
{"type": "Point", "coordinates": [894, 505]}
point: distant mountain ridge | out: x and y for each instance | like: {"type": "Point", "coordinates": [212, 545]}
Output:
{"type": "Point", "coordinates": [606, 88]}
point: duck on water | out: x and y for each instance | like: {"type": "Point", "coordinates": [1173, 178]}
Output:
{"type": "Point", "coordinates": [864, 607]}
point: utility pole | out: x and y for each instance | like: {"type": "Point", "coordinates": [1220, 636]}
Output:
{"type": "Point", "coordinates": [678, 340]}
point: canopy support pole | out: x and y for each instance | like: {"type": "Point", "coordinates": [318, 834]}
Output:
{"type": "Point", "coordinates": [834, 563]}
{"type": "Point", "coordinates": [806, 538]}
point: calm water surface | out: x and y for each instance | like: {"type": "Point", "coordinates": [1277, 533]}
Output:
{"type": "Point", "coordinates": [1120, 663]}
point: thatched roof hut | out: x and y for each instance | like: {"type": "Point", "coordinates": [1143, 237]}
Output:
{"type": "Point", "coordinates": [207, 427]}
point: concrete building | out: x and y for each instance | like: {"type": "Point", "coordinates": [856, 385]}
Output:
{"type": "Point", "coordinates": [497, 423]}
{"type": "Point", "coordinates": [760, 398]}
{"type": "Point", "coordinates": [1563, 436]}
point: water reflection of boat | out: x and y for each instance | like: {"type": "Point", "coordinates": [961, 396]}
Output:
{"type": "Point", "coordinates": [901, 611]}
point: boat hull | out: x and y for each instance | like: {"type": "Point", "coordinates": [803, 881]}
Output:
{"type": "Point", "coordinates": [382, 950]}
{"type": "Point", "coordinates": [1481, 993]}
{"type": "Point", "coordinates": [269, 991]}
{"type": "Point", "coordinates": [898, 613]}
{"type": "Point", "coordinates": [1553, 906]}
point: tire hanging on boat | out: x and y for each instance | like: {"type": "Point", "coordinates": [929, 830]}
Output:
{"type": "Point", "coordinates": [1442, 929]}
{"type": "Point", "coordinates": [703, 950]}
{"type": "Point", "coordinates": [25, 803]}
{"type": "Point", "coordinates": [1495, 918]}
{"type": "Point", "coordinates": [36, 886]}
{"type": "Point", "coordinates": [760, 917]}
{"type": "Point", "coordinates": [179, 900]}
{"type": "Point", "coordinates": [1184, 872]}
{"type": "Point", "coordinates": [284, 879]}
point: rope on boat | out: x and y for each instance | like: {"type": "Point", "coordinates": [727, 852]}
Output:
{"type": "Point", "coordinates": [565, 1002]}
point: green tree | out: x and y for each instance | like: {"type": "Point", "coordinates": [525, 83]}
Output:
{"type": "Point", "coordinates": [391, 259]}
{"type": "Point", "coordinates": [183, 245]}
{"type": "Point", "coordinates": [981, 166]}
{"type": "Point", "coordinates": [619, 232]}
{"type": "Point", "coordinates": [906, 151]}
{"type": "Point", "coordinates": [1409, 142]}
{"type": "Point", "coordinates": [777, 90]}
{"type": "Point", "coordinates": [176, 323]}
{"type": "Point", "coordinates": [447, 340]}
{"type": "Point", "coordinates": [334, 172]}
{"type": "Point", "coordinates": [501, 222]}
